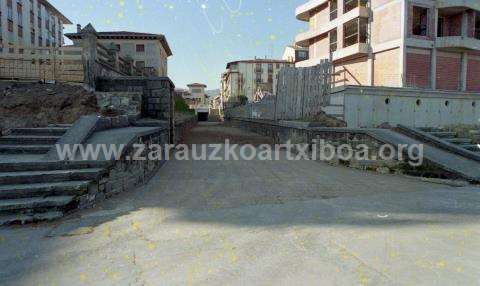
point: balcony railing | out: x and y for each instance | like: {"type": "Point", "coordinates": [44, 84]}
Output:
{"type": "Point", "coordinates": [349, 5]}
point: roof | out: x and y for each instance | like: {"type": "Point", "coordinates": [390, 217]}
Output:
{"type": "Point", "coordinates": [127, 35]}
{"type": "Point", "coordinates": [298, 48]}
{"type": "Point", "coordinates": [197, 84]}
{"type": "Point", "coordinates": [62, 17]}
{"type": "Point", "coordinates": [255, 61]}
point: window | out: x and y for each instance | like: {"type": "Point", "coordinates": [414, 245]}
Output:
{"type": "Point", "coordinates": [355, 32]}
{"type": "Point", "coordinates": [258, 68]}
{"type": "Point", "coordinates": [32, 37]}
{"type": "Point", "coordinates": [21, 51]}
{"type": "Point", "coordinates": [420, 21]}
{"type": "Point", "coordinates": [302, 55]}
{"type": "Point", "coordinates": [477, 25]}
{"type": "Point", "coordinates": [270, 78]}
{"type": "Point", "coordinates": [119, 48]}
{"type": "Point", "coordinates": [39, 21]}
{"type": "Point", "coordinates": [441, 27]}
{"type": "Point", "coordinates": [9, 10]}
{"type": "Point", "coordinates": [140, 64]}
{"type": "Point", "coordinates": [40, 41]}
{"type": "Point", "coordinates": [140, 48]}
{"type": "Point", "coordinates": [19, 14]}
{"type": "Point", "coordinates": [20, 31]}
{"type": "Point", "coordinates": [258, 78]}
{"type": "Point", "coordinates": [333, 40]}
{"type": "Point", "coordinates": [349, 5]}
{"type": "Point", "coordinates": [270, 68]}
{"type": "Point", "coordinates": [333, 9]}
{"type": "Point", "coordinates": [10, 25]}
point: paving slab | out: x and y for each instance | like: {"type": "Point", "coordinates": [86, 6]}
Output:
{"type": "Point", "coordinates": [257, 223]}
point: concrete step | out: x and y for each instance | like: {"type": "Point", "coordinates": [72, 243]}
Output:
{"type": "Point", "coordinates": [60, 125]}
{"type": "Point", "coordinates": [34, 177]}
{"type": "Point", "coordinates": [471, 147]}
{"type": "Point", "coordinates": [10, 219]}
{"type": "Point", "coordinates": [459, 140]}
{"type": "Point", "coordinates": [24, 149]}
{"type": "Point", "coordinates": [51, 166]}
{"type": "Point", "coordinates": [45, 131]}
{"type": "Point", "coordinates": [33, 204]}
{"type": "Point", "coordinates": [431, 129]}
{"type": "Point", "coordinates": [443, 134]}
{"type": "Point", "coordinates": [28, 140]}
{"type": "Point", "coordinates": [70, 188]}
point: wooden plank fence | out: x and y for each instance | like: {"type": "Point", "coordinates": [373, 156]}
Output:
{"type": "Point", "coordinates": [301, 92]}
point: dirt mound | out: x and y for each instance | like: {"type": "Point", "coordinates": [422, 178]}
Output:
{"type": "Point", "coordinates": [326, 120]}
{"type": "Point", "coordinates": [37, 104]}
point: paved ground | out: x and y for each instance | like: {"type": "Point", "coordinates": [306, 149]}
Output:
{"type": "Point", "coordinates": [260, 223]}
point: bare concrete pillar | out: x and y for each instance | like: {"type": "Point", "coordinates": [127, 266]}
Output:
{"type": "Point", "coordinates": [89, 55]}
{"type": "Point", "coordinates": [463, 74]}
{"type": "Point", "coordinates": [465, 24]}
{"type": "Point", "coordinates": [433, 54]}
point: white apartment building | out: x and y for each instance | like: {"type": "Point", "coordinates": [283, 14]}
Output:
{"type": "Point", "coordinates": [196, 95]}
{"type": "Point", "coordinates": [29, 24]}
{"type": "Point", "coordinates": [246, 78]}
{"type": "Point", "coordinates": [295, 54]}
{"type": "Point", "coordinates": [148, 51]}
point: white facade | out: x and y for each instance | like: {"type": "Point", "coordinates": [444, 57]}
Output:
{"type": "Point", "coordinates": [148, 51]}
{"type": "Point", "coordinates": [295, 54]}
{"type": "Point", "coordinates": [196, 96]}
{"type": "Point", "coordinates": [27, 24]}
{"type": "Point", "coordinates": [245, 78]}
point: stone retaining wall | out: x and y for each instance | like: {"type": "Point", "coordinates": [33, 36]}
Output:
{"type": "Point", "coordinates": [125, 175]}
{"type": "Point", "coordinates": [285, 131]}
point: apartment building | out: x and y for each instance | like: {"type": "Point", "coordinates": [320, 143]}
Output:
{"type": "Point", "coordinates": [196, 95]}
{"type": "Point", "coordinates": [30, 24]}
{"type": "Point", "coordinates": [149, 52]}
{"type": "Point", "coordinates": [295, 54]}
{"type": "Point", "coordinates": [399, 43]}
{"type": "Point", "coordinates": [246, 78]}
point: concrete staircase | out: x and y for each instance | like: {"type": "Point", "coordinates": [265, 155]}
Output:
{"type": "Point", "coordinates": [39, 191]}
{"type": "Point", "coordinates": [31, 140]}
{"type": "Point", "coordinates": [453, 138]}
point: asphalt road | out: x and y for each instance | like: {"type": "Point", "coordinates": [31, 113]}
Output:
{"type": "Point", "coordinates": [257, 223]}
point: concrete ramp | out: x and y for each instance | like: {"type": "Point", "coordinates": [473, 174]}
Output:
{"type": "Point", "coordinates": [459, 165]}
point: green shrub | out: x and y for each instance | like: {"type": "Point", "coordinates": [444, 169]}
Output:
{"type": "Point", "coordinates": [181, 106]}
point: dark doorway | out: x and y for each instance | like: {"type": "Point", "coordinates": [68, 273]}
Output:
{"type": "Point", "coordinates": [203, 116]}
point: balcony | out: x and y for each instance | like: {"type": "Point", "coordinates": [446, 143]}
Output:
{"type": "Point", "coordinates": [353, 50]}
{"type": "Point", "coordinates": [303, 12]}
{"type": "Point", "coordinates": [466, 4]}
{"type": "Point", "coordinates": [458, 43]}
{"type": "Point", "coordinates": [303, 38]}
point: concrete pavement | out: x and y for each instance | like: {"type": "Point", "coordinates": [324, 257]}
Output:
{"type": "Point", "coordinates": [260, 223]}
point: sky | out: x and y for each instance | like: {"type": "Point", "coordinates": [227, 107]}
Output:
{"type": "Point", "coordinates": [203, 34]}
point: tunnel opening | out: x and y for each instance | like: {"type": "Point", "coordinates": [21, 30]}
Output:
{"type": "Point", "coordinates": [202, 116]}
